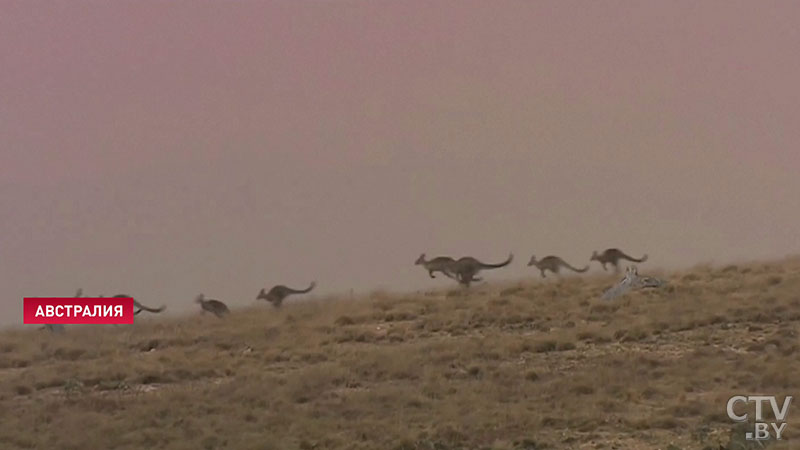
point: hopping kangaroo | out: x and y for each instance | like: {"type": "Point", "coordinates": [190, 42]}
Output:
{"type": "Point", "coordinates": [141, 306]}
{"type": "Point", "coordinates": [278, 293]}
{"type": "Point", "coordinates": [58, 328]}
{"type": "Point", "coordinates": [553, 264]}
{"type": "Point", "coordinates": [467, 267]}
{"type": "Point", "coordinates": [215, 307]}
{"type": "Point", "coordinates": [612, 256]}
{"type": "Point", "coordinates": [438, 264]}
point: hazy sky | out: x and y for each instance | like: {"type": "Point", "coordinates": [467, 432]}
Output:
{"type": "Point", "coordinates": [167, 148]}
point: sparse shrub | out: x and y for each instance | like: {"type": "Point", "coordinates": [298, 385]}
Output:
{"type": "Point", "coordinates": [112, 385]}
{"type": "Point", "coordinates": [631, 335]}
{"type": "Point", "coordinates": [549, 421]}
{"type": "Point", "coordinates": [69, 354]}
{"type": "Point", "coordinates": [225, 345]}
{"type": "Point", "coordinates": [602, 339]}
{"type": "Point", "coordinates": [518, 347]}
{"type": "Point", "coordinates": [788, 350]}
{"type": "Point", "coordinates": [152, 378]}
{"type": "Point", "coordinates": [651, 392]}
{"type": "Point", "coordinates": [344, 320]}
{"type": "Point", "coordinates": [716, 319]}
{"type": "Point", "coordinates": [773, 280]}
{"type": "Point", "coordinates": [415, 403]}
{"type": "Point", "coordinates": [211, 443]}
{"type": "Point", "coordinates": [586, 335]}
{"type": "Point", "coordinates": [600, 308]}
{"type": "Point", "coordinates": [73, 386]}
{"type": "Point", "coordinates": [273, 332]}
{"type": "Point", "coordinates": [529, 444]}
{"type": "Point", "coordinates": [660, 326]}
{"type": "Point", "coordinates": [146, 346]}
{"type": "Point", "coordinates": [405, 444]}
{"type": "Point", "coordinates": [349, 335]}
{"type": "Point", "coordinates": [7, 347]}
{"type": "Point", "coordinates": [312, 357]}
{"type": "Point", "coordinates": [15, 363]}
{"type": "Point", "coordinates": [511, 291]}
{"type": "Point", "coordinates": [545, 346]}
{"type": "Point", "coordinates": [564, 346]}
{"type": "Point", "coordinates": [399, 316]}
{"type": "Point", "coordinates": [665, 423]}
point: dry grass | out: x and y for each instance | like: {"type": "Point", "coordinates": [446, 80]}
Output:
{"type": "Point", "coordinates": [521, 366]}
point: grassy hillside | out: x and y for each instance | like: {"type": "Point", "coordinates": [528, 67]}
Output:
{"type": "Point", "coordinates": [526, 365]}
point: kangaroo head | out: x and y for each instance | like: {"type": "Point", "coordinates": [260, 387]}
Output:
{"type": "Point", "coordinates": [532, 261]}
{"type": "Point", "coordinates": [594, 256]}
{"type": "Point", "coordinates": [262, 294]}
{"type": "Point", "coordinates": [632, 271]}
{"type": "Point", "coordinates": [420, 260]}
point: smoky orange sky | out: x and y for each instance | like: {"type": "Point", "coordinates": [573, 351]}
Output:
{"type": "Point", "coordinates": [163, 149]}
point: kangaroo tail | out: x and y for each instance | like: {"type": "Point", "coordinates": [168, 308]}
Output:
{"type": "Point", "coordinates": [498, 265]}
{"type": "Point", "coordinates": [576, 270]}
{"type": "Point", "coordinates": [147, 308]}
{"type": "Point", "coordinates": [630, 258]}
{"type": "Point", "coordinates": [304, 291]}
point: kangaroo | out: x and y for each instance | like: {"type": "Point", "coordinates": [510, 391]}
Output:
{"type": "Point", "coordinates": [215, 307]}
{"type": "Point", "coordinates": [467, 267]}
{"type": "Point", "coordinates": [612, 256]}
{"type": "Point", "coordinates": [631, 281]}
{"type": "Point", "coordinates": [553, 264]}
{"type": "Point", "coordinates": [438, 264]}
{"type": "Point", "coordinates": [141, 306]}
{"type": "Point", "coordinates": [278, 293]}
{"type": "Point", "coordinates": [58, 328]}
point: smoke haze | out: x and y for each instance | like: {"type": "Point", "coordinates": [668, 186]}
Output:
{"type": "Point", "coordinates": [163, 149]}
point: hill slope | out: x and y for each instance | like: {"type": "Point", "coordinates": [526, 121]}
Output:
{"type": "Point", "coordinates": [527, 365]}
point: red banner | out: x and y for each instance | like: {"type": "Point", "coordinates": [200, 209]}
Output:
{"type": "Point", "coordinates": [77, 310]}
